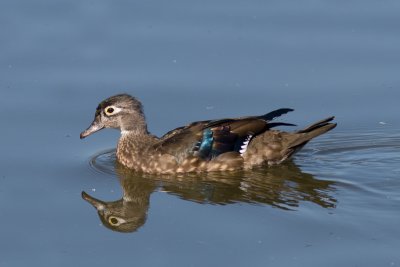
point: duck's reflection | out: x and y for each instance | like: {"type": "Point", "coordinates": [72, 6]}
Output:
{"type": "Point", "coordinates": [130, 212]}
{"type": "Point", "coordinates": [284, 186]}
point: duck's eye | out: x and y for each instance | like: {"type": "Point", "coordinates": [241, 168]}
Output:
{"type": "Point", "coordinates": [109, 110]}
{"type": "Point", "coordinates": [113, 220]}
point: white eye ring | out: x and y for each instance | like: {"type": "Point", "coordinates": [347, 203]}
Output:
{"type": "Point", "coordinates": [111, 110]}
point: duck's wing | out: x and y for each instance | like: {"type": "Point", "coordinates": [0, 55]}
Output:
{"type": "Point", "coordinates": [208, 139]}
{"type": "Point", "coordinates": [182, 129]}
{"type": "Point", "coordinates": [181, 141]}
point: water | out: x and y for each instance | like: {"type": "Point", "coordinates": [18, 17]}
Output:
{"type": "Point", "coordinates": [336, 204]}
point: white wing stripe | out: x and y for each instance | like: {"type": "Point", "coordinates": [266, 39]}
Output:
{"type": "Point", "coordinates": [245, 145]}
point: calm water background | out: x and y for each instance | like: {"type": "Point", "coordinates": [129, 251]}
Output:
{"type": "Point", "coordinates": [192, 60]}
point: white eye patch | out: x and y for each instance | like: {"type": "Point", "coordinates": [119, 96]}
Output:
{"type": "Point", "coordinates": [111, 110]}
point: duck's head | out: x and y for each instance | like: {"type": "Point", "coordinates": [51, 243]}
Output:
{"type": "Point", "coordinates": [122, 216]}
{"type": "Point", "coordinates": [122, 112]}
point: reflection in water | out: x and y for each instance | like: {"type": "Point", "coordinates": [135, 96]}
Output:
{"type": "Point", "coordinates": [283, 186]}
{"type": "Point", "coordinates": [129, 213]}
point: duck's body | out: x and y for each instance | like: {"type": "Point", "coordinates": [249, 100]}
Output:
{"type": "Point", "coordinates": [218, 145]}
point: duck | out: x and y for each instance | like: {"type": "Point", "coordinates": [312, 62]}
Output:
{"type": "Point", "coordinates": [203, 146]}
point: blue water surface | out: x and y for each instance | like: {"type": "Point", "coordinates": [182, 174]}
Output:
{"type": "Point", "coordinates": [336, 204]}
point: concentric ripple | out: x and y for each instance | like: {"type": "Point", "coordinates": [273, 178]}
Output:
{"type": "Point", "coordinates": [104, 161]}
{"type": "Point", "coordinates": [367, 161]}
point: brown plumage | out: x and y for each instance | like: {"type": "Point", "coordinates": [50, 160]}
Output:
{"type": "Point", "coordinates": [213, 145]}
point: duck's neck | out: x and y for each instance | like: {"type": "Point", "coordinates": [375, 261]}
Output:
{"type": "Point", "coordinates": [136, 138]}
{"type": "Point", "coordinates": [134, 133]}
{"type": "Point", "coordinates": [135, 125]}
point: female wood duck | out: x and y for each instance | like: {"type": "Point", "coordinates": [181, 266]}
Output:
{"type": "Point", "coordinates": [212, 145]}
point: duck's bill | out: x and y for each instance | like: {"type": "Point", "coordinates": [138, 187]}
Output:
{"type": "Point", "coordinates": [98, 204]}
{"type": "Point", "coordinates": [94, 127]}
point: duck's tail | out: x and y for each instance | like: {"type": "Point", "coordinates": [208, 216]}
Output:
{"type": "Point", "coordinates": [298, 139]}
{"type": "Point", "coordinates": [319, 127]}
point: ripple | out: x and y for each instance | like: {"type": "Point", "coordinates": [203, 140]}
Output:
{"type": "Point", "coordinates": [362, 162]}
{"type": "Point", "coordinates": [103, 162]}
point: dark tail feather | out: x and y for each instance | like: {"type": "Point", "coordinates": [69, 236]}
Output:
{"type": "Point", "coordinates": [318, 125]}
{"type": "Point", "coordinates": [292, 142]}
{"type": "Point", "coordinates": [303, 136]}
{"type": "Point", "coordinates": [274, 114]}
